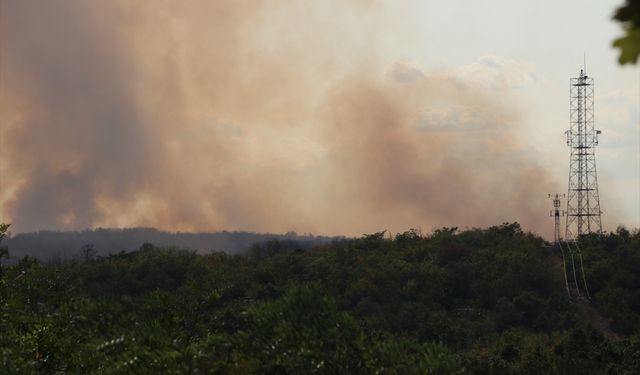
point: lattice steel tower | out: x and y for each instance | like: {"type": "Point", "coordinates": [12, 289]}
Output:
{"type": "Point", "coordinates": [583, 203]}
{"type": "Point", "coordinates": [556, 213]}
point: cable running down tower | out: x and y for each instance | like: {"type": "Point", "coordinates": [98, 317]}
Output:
{"type": "Point", "coordinates": [572, 268]}
{"type": "Point", "coordinates": [583, 203]}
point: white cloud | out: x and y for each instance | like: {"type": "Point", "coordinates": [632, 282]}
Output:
{"type": "Point", "coordinates": [405, 71]}
{"type": "Point", "coordinates": [617, 113]}
{"type": "Point", "coordinates": [496, 72]}
{"type": "Point", "coordinates": [459, 119]}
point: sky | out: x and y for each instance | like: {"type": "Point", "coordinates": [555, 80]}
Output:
{"type": "Point", "coordinates": [333, 117]}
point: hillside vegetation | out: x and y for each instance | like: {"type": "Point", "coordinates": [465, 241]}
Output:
{"type": "Point", "coordinates": [60, 246]}
{"type": "Point", "coordinates": [480, 301]}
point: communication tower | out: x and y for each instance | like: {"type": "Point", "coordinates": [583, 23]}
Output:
{"type": "Point", "coordinates": [583, 203]}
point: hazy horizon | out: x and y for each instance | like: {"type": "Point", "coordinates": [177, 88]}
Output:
{"type": "Point", "coordinates": [332, 118]}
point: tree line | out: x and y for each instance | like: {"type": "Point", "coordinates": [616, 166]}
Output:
{"type": "Point", "coordinates": [485, 301]}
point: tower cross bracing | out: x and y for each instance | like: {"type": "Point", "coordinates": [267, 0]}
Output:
{"type": "Point", "coordinates": [583, 213]}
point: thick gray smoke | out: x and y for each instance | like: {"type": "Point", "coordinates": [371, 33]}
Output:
{"type": "Point", "coordinates": [71, 127]}
{"type": "Point", "coordinates": [239, 115]}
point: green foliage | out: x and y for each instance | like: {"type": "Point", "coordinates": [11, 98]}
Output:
{"type": "Point", "coordinates": [303, 332]}
{"type": "Point", "coordinates": [4, 251]}
{"type": "Point", "coordinates": [629, 44]}
{"type": "Point", "coordinates": [612, 264]}
{"type": "Point", "coordinates": [477, 301]}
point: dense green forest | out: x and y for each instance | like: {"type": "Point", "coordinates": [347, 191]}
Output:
{"type": "Point", "coordinates": [479, 301]}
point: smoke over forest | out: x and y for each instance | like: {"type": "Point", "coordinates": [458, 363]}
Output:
{"type": "Point", "coordinates": [246, 116]}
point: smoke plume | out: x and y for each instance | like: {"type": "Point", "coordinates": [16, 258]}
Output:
{"type": "Point", "coordinates": [245, 115]}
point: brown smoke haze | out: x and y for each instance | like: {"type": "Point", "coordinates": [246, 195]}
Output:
{"type": "Point", "coordinates": [247, 115]}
